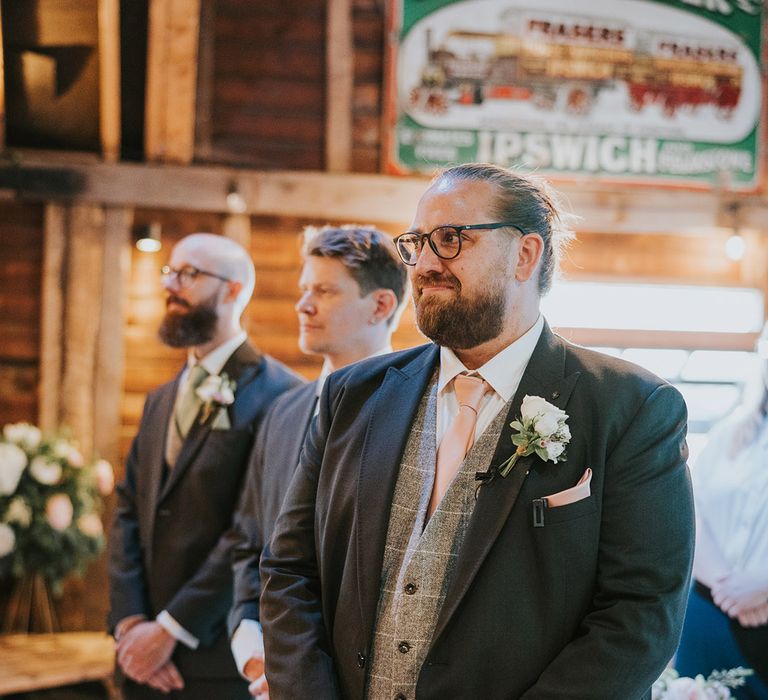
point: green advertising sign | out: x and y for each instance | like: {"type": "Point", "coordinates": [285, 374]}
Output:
{"type": "Point", "coordinates": [656, 91]}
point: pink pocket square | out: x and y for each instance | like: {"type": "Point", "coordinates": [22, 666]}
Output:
{"type": "Point", "coordinates": [573, 494]}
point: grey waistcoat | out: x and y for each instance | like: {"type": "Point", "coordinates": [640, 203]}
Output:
{"type": "Point", "coordinates": [419, 562]}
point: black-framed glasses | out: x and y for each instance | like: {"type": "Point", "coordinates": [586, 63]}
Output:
{"type": "Point", "coordinates": [186, 276]}
{"type": "Point", "coordinates": [445, 241]}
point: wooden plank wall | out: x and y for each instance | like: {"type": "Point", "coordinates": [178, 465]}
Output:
{"type": "Point", "coordinates": [21, 243]}
{"type": "Point", "coordinates": [265, 84]}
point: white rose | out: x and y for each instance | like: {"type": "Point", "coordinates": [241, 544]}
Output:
{"type": "Point", "coordinates": [215, 389]}
{"type": "Point", "coordinates": [12, 462]}
{"type": "Point", "coordinates": [64, 449]}
{"type": "Point", "coordinates": [7, 540]}
{"type": "Point", "coordinates": [59, 511]}
{"type": "Point", "coordinates": [554, 450]}
{"type": "Point", "coordinates": [19, 512]}
{"type": "Point", "coordinates": [533, 406]}
{"type": "Point", "coordinates": [686, 689]}
{"type": "Point", "coordinates": [105, 477]}
{"type": "Point", "coordinates": [546, 425]}
{"type": "Point", "coordinates": [25, 435]}
{"type": "Point", "coordinates": [90, 525]}
{"type": "Point", "coordinates": [45, 472]}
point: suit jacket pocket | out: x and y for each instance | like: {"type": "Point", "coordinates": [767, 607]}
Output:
{"type": "Point", "coordinates": [572, 511]}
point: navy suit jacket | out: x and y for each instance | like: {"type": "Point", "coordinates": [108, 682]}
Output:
{"type": "Point", "coordinates": [588, 606]}
{"type": "Point", "coordinates": [170, 542]}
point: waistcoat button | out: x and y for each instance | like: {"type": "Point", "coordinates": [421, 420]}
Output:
{"type": "Point", "coordinates": [404, 647]}
{"type": "Point", "coordinates": [410, 588]}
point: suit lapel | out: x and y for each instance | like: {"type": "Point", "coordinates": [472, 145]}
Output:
{"type": "Point", "coordinates": [156, 462]}
{"type": "Point", "coordinates": [388, 427]}
{"type": "Point", "coordinates": [544, 376]}
{"type": "Point", "coordinates": [299, 418]}
{"type": "Point", "coordinates": [243, 366]}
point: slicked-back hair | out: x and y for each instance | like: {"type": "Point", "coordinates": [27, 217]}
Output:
{"type": "Point", "coordinates": [527, 201]}
{"type": "Point", "coordinates": [368, 254]}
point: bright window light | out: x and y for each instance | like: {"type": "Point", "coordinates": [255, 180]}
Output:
{"type": "Point", "coordinates": [720, 366]}
{"type": "Point", "coordinates": [663, 362]}
{"type": "Point", "coordinates": [654, 307]}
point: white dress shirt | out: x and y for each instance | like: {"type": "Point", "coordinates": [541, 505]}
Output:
{"type": "Point", "coordinates": [503, 373]}
{"type": "Point", "coordinates": [213, 363]}
{"type": "Point", "coordinates": [731, 493]}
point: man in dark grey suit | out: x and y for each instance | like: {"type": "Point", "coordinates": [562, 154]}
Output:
{"type": "Point", "coordinates": [169, 551]}
{"type": "Point", "coordinates": [403, 567]}
{"type": "Point", "coordinates": [352, 288]}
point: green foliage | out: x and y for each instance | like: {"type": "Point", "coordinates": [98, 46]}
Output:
{"type": "Point", "coordinates": [50, 522]}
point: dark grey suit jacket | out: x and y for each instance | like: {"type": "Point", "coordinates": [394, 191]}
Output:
{"type": "Point", "coordinates": [273, 462]}
{"type": "Point", "coordinates": [588, 606]}
{"type": "Point", "coordinates": [170, 542]}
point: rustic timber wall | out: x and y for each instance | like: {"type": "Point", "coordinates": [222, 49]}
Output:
{"type": "Point", "coordinates": [21, 243]}
{"type": "Point", "coordinates": [262, 74]}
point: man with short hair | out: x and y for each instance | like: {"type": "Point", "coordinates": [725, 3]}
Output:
{"type": "Point", "coordinates": [352, 292]}
{"type": "Point", "coordinates": [500, 514]}
{"type": "Point", "coordinates": [169, 552]}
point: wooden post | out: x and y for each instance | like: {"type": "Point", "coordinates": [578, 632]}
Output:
{"type": "Point", "coordinates": [2, 85]}
{"type": "Point", "coordinates": [82, 318]}
{"type": "Point", "coordinates": [110, 351]}
{"type": "Point", "coordinates": [174, 28]}
{"type": "Point", "coordinates": [109, 79]}
{"type": "Point", "coordinates": [51, 312]}
{"type": "Point", "coordinates": [339, 85]}
{"type": "Point", "coordinates": [238, 228]}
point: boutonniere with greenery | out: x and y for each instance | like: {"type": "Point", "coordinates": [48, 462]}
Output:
{"type": "Point", "coordinates": [542, 429]}
{"type": "Point", "coordinates": [216, 392]}
{"type": "Point", "coordinates": [716, 686]}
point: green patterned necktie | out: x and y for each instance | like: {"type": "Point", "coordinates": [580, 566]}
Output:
{"type": "Point", "coordinates": [189, 403]}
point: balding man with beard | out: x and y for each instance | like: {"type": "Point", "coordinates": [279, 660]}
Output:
{"type": "Point", "coordinates": [169, 558]}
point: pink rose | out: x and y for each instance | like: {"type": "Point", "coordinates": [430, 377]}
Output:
{"type": "Point", "coordinates": [59, 511]}
{"type": "Point", "coordinates": [90, 525]}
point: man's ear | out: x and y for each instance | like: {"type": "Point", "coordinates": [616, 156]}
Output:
{"type": "Point", "coordinates": [386, 303]}
{"type": "Point", "coordinates": [530, 249]}
{"type": "Point", "coordinates": [233, 290]}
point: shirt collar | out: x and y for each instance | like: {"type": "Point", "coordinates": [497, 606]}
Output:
{"type": "Point", "coordinates": [215, 360]}
{"type": "Point", "coordinates": [503, 370]}
{"type": "Point", "coordinates": [326, 370]}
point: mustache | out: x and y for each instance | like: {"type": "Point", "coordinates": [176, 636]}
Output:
{"type": "Point", "coordinates": [173, 299]}
{"type": "Point", "coordinates": [430, 278]}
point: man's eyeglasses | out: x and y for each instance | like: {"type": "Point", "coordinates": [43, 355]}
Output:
{"type": "Point", "coordinates": [186, 276]}
{"type": "Point", "coordinates": [445, 241]}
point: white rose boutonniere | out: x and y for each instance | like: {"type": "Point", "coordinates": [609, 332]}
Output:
{"type": "Point", "coordinates": [542, 429]}
{"type": "Point", "coordinates": [216, 392]}
{"type": "Point", "coordinates": [673, 686]}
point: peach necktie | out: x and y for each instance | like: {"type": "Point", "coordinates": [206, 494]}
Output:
{"type": "Point", "coordinates": [458, 438]}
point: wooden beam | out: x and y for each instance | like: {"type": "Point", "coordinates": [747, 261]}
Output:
{"type": "Point", "coordinates": [205, 74]}
{"type": "Point", "coordinates": [360, 198]}
{"type": "Point", "coordinates": [51, 313]}
{"type": "Point", "coordinates": [109, 79]}
{"type": "Point", "coordinates": [2, 85]}
{"type": "Point", "coordinates": [339, 56]}
{"type": "Point", "coordinates": [174, 27]}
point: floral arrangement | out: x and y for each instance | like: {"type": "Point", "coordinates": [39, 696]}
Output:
{"type": "Point", "coordinates": [542, 429]}
{"type": "Point", "coordinates": [215, 392]}
{"type": "Point", "coordinates": [672, 686]}
{"type": "Point", "coordinates": [50, 503]}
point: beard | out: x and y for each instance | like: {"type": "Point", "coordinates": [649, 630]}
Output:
{"type": "Point", "coordinates": [460, 322]}
{"type": "Point", "coordinates": [196, 326]}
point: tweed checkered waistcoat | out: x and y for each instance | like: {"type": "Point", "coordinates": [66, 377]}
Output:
{"type": "Point", "coordinates": [419, 561]}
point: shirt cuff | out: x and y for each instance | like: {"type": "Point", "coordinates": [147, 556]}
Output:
{"type": "Point", "coordinates": [247, 642]}
{"type": "Point", "coordinates": [173, 628]}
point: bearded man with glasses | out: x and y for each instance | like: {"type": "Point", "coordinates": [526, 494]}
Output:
{"type": "Point", "coordinates": [497, 514]}
{"type": "Point", "coordinates": [169, 551]}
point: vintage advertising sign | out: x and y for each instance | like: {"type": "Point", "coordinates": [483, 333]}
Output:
{"type": "Point", "coordinates": [657, 91]}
